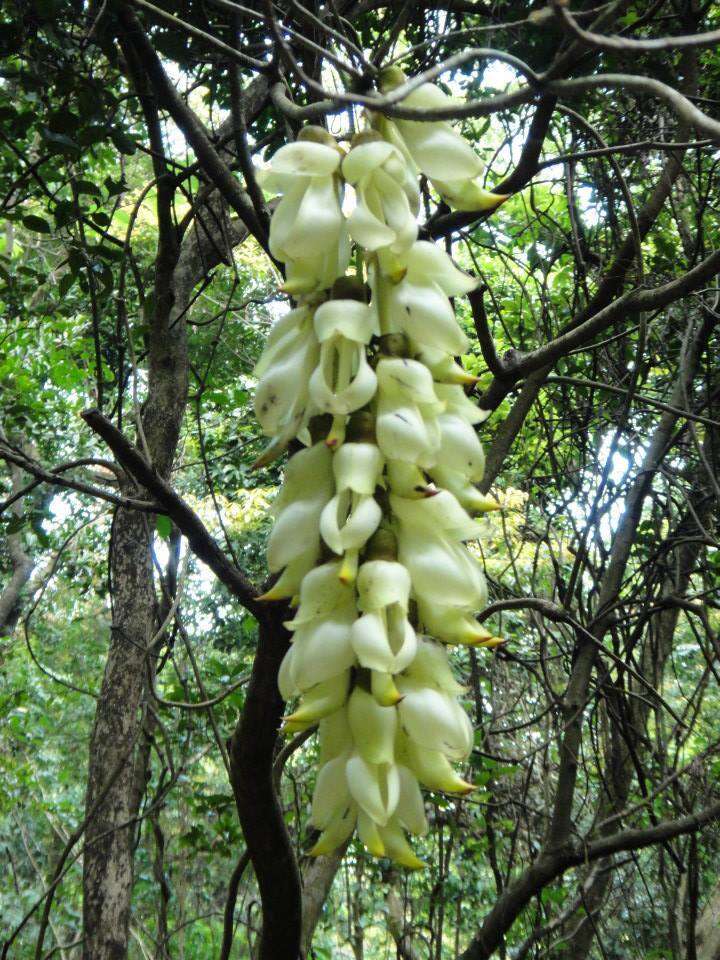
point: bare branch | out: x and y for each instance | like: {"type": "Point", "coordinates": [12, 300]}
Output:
{"type": "Point", "coordinates": [184, 517]}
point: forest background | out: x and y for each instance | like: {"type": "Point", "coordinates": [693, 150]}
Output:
{"type": "Point", "coordinates": [139, 759]}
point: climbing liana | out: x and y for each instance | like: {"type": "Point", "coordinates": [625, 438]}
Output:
{"type": "Point", "coordinates": [379, 498]}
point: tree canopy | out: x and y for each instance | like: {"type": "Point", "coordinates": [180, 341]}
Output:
{"type": "Point", "coordinates": [149, 805]}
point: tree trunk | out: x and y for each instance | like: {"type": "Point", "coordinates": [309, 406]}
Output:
{"type": "Point", "coordinates": [22, 564]}
{"type": "Point", "coordinates": [113, 796]}
{"type": "Point", "coordinates": [707, 930]}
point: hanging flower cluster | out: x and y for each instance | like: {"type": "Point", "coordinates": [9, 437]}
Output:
{"type": "Point", "coordinates": [378, 502]}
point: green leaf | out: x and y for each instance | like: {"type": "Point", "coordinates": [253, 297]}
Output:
{"type": "Point", "coordinates": [114, 187]}
{"type": "Point", "coordinates": [36, 223]}
{"type": "Point", "coordinates": [164, 525]}
{"type": "Point", "coordinates": [61, 141]}
{"type": "Point", "coordinates": [87, 186]}
{"type": "Point", "coordinates": [123, 142]}
{"type": "Point", "coordinates": [15, 524]}
{"type": "Point", "coordinates": [66, 281]}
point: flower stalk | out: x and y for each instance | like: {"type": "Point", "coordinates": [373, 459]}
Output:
{"type": "Point", "coordinates": [376, 508]}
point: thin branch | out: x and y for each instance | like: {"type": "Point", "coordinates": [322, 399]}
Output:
{"type": "Point", "coordinates": [187, 521]}
{"type": "Point", "coordinates": [616, 43]}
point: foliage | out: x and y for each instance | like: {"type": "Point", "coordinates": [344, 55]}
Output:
{"type": "Point", "coordinates": [78, 260]}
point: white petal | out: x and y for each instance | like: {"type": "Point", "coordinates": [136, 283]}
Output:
{"type": "Point", "coordinates": [396, 209]}
{"type": "Point", "coordinates": [316, 227]}
{"type": "Point", "coordinates": [460, 448]}
{"type": "Point", "coordinates": [439, 151]}
{"type": "Point", "coordinates": [370, 643]}
{"type": "Point", "coordinates": [407, 479]}
{"type": "Point", "coordinates": [323, 699]}
{"type": "Point", "coordinates": [341, 398]}
{"type": "Point", "coordinates": [403, 433]}
{"type": "Point", "coordinates": [366, 157]}
{"type": "Point", "coordinates": [334, 734]}
{"type": "Point", "coordinates": [322, 649]}
{"type": "Point", "coordinates": [283, 388]}
{"type": "Point", "coordinates": [294, 531]}
{"type": "Point", "coordinates": [321, 592]}
{"type": "Point", "coordinates": [373, 727]}
{"type": "Point", "coordinates": [442, 570]}
{"type": "Point", "coordinates": [284, 217]}
{"type": "Point", "coordinates": [382, 582]}
{"type": "Point", "coordinates": [429, 317]}
{"type": "Point", "coordinates": [337, 832]}
{"type": "Point", "coordinates": [369, 835]}
{"type": "Point", "coordinates": [366, 222]}
{"type": "Point", "coordinates": [342, 534]}
{"type": "Point", "coordinates": [453, 624]}
{"type": "Point", "coordinates": [468, 195]}
{"type": "Point", "coordinates": [284, 336]}
{"type": "Point", "coordinates": [357, 466]}
{"type": "Point", "coordinates": [396, 846]}
{"type": "Point", "coordinates": [288, 584]}
{"type": "Point", "coordinates": [377, 650]}
{"type": "Point", "coordinates": [375, 788]}
{"type": "Point", "coordinates": [408, 379]}
{"type": "Point", "coordinates": [411, 809]}
{"type": "Point", "coordinates": [286, 685]}
{"type": "Point", "coordinates": [458, 403]}
{"type": "Point", "coordinates": [350, 319]}
{"type": "Point", "coordinates": [308, 476]}
{"type": "Point", "coordinates": [434, 720]}
{"type": "Point", "coordinates": [429, 263]}
{"type": "Point", "coordinates": [431, 667]}
{"type": "Point", "coordinates": [433, 769]}
{"type": "Point", "coordinates": [305, 158]}
{"type": "Point", "coordinates": [331, 795]}
{"type": "Point", "coordinates": [439, 515]}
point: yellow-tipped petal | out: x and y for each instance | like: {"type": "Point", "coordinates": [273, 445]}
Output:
{"type": "Point", "coordinates": [320, 700]}
{"type": "Point", "coordinates": [272, 451]}
{"type": "Point", "coordinates": [369, 835]}
{"type": "Point", "coordinates": [336, 833]}
{"type": "Point", "coordinates": [485, 504]}
{"type": "Point", "coordinates": [397, 847]}
{"type": "Point", "coordinates": [337, 432]}
{"type": "Point", "coordinates": [349, 567]}
{"type": "Point", "coordinates": [463, 378]}
{"type": "Point", "coordinates": [298, 286]}
{"type": "Point", "coordinates": [384, 689]}
{"type": "Point", "coordinates": [291, 726]}
{"type": "Point", "coordinates": [492, 642]}
{"type": "Point", "coordinates": [279, 591]}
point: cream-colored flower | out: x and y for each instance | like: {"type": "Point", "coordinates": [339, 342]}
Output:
{"type": "Point", "coordinates": [436, 149]}
{"type": "Point", "coordinates": [407, 409]}
{"type": "Point", "coordinates": [384, 215]}
{"type": "Point", "coordinates": [383, 638]}
{"type": "Point", "coordinates": [307, 487]}
{"type": "Point", "coordinates": [419, 306]}
{"type": "Point", "coordinates": [352, 516]}
{"type": "Point", "coordinates": [307, 227]}
{"type": "Point", "coordinates": [282, 393]}
{"type": "Point", "coordinates": [375, 787]}
{"type": "Point", "coordinates": [343, 381]}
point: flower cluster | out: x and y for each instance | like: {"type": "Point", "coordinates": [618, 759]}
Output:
{"type": "Point", "coordinates": [380, 498]}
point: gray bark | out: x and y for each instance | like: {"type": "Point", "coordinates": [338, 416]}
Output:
{"type": "Point", "coordinates": [108, 861]}
{"type": "Point", "coordinates": [317, 879]}
{"type": "Point", "coordinates": [707, 929]}
{"type": "Point", "coordinates": [22, 564]}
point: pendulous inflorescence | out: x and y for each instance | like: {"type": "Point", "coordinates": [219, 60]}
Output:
{"type": "Point", "coordinates": [372, 520]}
